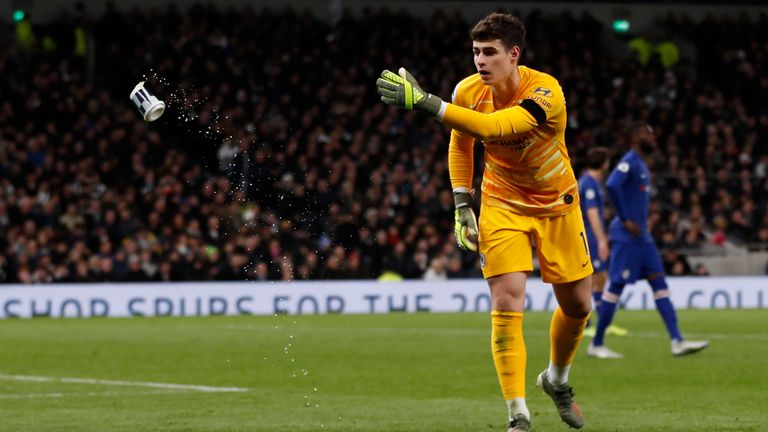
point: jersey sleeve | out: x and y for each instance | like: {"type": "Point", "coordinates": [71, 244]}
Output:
{"type": "Point", "coordinates": [542, 102]}
{"type": "Point", "coordinates": [503, 123]}
{"type": "Point", "coordinates": [615, 184]}
{"type": "Point", "coordinates": [461, 159]}
{"type": "Point", "coordinates": [589, 195]}
{"type": "Point", "coordinates": [547, 95]}
{"type": "Point", "coordinates": [460, 150]}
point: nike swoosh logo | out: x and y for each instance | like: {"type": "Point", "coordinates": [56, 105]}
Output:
{"type": "Point", "coordinates": [585, 264]}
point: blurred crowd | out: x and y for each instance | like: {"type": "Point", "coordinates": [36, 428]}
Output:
{"type": "Point", "coordinates": [276, 161]}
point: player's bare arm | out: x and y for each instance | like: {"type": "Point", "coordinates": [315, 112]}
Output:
{"type": "Point", "coordinates": [593, 215]}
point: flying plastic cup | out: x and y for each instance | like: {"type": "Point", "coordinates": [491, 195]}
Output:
{"type": "Point", "coordinates": [148, 104]}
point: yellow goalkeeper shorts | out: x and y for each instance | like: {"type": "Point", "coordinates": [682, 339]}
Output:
{"type": "Point", "coordinates": [506, 244]}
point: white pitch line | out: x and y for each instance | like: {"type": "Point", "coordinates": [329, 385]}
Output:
{"type": "Point", "coordinates": [89, 394]}
{"type": "Point", "coordinates": [200, 388]}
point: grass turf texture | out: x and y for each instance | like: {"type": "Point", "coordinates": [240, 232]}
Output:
{"type": "Point", "coordinates": [421, 372]}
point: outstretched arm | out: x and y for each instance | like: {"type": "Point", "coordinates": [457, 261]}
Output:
{"type": "Point", "coordinates": [403, 91]}
{"type": "Point", "coordinates": [506, 122]}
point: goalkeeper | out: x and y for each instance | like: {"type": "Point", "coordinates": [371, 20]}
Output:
{"type": "Point", "coordinates": [529, 195]}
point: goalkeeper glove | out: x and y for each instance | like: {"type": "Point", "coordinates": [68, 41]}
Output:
{"type": "Point", "coordinates": [403, 91]}
{"type": "Point", "coordinates": [465, 227]}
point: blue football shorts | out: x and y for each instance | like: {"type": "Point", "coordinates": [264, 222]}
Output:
{"type": "Point", "coordinates": [631, 261]}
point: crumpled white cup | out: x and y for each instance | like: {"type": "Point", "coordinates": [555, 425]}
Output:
{"type": "Point", "coordinates": [150, 107]}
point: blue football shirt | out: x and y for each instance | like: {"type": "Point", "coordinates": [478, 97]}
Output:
{"type": "Point", "coordinates": [628, 186]}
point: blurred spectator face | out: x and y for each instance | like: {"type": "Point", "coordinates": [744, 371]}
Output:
{"type": "Point", "coordinates": [333, 263]}
{"type": "Point", "coordinates": [353, 260]}
{"type": "Point", "coordinates": [106, 265]}
{"type": "Point", "coordinates": [721, 222]}
{"type": "Point", "coordinates": [274, 248]}
{"type": "Point", "coordinates": [311, 260]}
{"type": "Point", "coordinates": [165, 267]}
{"type": "Point", "coordinates": [678, 268]}
{"type": "Point", "coordinates": [239, 261]}
{"type": "Point", "coordinates": [81, 270]}
{"type": "Point", "coordinates": [42, 237]}
{"type": "Point", "coordinates": [130, 246]}
{"type": "Point", "coordinates": [668, 238]}
{"type": "Point", "coordinates": [304, 272]}
{"type": "Point", "coordinates": [193, 228]}
{"type": "Point", "coordinates": [178, 222]}
{"type": "Point", "coordinates": [454, 264]}
{"type": "Point", "coordinates": [110, 217]}
{"type": "Point", "coordinates": [676, 197]}
{"type": "Point", "coordinates": [30, 227]}
{"type": "Point", "coordinates": [31, 248]}
{"type": "Point", "coordinates": [421, 259]}
{"type": "Point", "coordinates": [26, 205]}
{"type": "Point", "coordinates": [339, 253]}
{"type": "Point", "coordinates": [134, 263]}
{"type": "Point", "coordinates": [693, 236]}
{"type": "Point", "coordinates": [762, 235]}
{"type": "Point", "coordinates": [105, 248]}
{"type": "Point", "coordinates": [437, 265]}
{"type": "Point", "coordinates": [262, 271]}
{"type": "Point", "coordinates": [381, 237]}
{"type": "Point", "coordinates": [213, 223]}
{"type": "Point", "coordinates": [399, 248]}
{"type": "Point", "coordinates": [161, 205]}
{"type": "Point", "coordinates": [61, 248]}
{"type": "Point", "coordinates": [154, 219]}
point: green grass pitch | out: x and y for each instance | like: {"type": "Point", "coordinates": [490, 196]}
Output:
{"type": "Point", "coordinates": [419, 372]}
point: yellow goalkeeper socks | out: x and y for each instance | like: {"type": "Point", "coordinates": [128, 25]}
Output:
{"type": "Point", "coordinates": [565, 334]}
{"type": "Point", "coordinates": [509, 353]}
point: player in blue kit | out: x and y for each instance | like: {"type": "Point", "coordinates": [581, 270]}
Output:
{"type": "Point", "coordinates": [633, 253]}
{"type": "Point", "coordinates": [593, 211]}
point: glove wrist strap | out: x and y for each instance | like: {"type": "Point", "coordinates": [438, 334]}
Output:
{"type": "Point", "coordinates": [432, 105]}
{"type": "Point", "coordinates": [461, 197]}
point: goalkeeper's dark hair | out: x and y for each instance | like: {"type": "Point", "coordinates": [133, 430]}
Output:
{"type": "Point", "coordinates": [596, 157]}
{"type": "Point", "coordinates": [505, 27]}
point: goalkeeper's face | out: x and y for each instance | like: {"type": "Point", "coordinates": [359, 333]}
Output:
{"type": "Point", "coordinates": [494, 62]}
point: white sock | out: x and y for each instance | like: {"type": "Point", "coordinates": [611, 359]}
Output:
{"type": "Point", "coordinates": [558, 375]}
{"type": "Point", "coordinates": [517, 406]}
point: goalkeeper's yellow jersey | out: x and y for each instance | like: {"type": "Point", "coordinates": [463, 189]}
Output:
{"type": "Point", "coordinates": [530, 172]}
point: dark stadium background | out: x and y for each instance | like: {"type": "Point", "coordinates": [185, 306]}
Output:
{"type": "Point", "coordinates": [275, 159]}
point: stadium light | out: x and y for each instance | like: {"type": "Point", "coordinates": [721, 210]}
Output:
{"type": "Point", "coordinates": [621, 26]}
{"type": "Point", "coordinates": [18, 15]}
